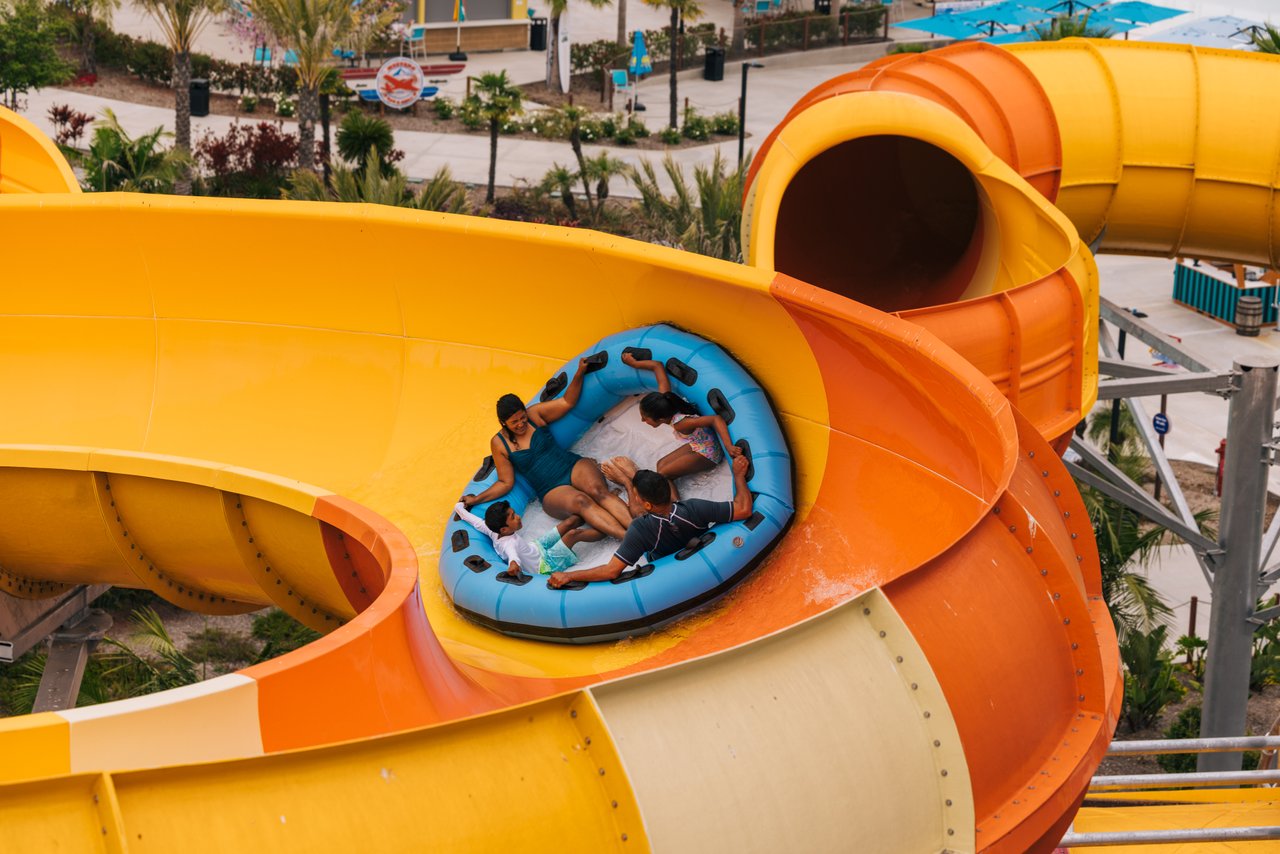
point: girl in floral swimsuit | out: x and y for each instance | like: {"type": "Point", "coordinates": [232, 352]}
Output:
{"type": "Point", "coordinates": [566, 483]}
{"type": "Point", "coordinates": [701, 450]}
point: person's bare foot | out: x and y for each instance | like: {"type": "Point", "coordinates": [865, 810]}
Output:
{"type": "Point", "coordinates": [612, 472]}
{"type": "Point", "coordinates": [626, 466]}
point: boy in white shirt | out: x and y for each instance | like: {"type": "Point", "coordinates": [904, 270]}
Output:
{"type": "Point", "coordinates": [553, 552]}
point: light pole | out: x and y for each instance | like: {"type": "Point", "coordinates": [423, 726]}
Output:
{"type": "Point", "coordinates": [742, 108]}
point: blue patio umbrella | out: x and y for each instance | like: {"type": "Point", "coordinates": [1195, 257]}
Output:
{"type": "Point", "coordinates": [1014, 38]}
{"type": "Point", "coordinates": [639, 62]}
{"type": "Point", "coordinates": [1139, 12]}
{"type": "Point", "coordinates": [1007, 13]}
{"type": "Point", "coordinates": [951, 26]}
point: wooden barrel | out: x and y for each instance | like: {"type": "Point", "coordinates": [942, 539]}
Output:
{"type": "Point", "coordinates": [1248, 315]}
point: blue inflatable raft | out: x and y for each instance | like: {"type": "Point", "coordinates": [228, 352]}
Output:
{"type": "Point", "coordinates": [643, 597]}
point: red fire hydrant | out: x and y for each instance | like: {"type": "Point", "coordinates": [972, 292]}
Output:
{"type": "Point", "coordinates": [1222, 455]}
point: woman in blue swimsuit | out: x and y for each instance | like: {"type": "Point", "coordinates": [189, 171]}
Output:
{"type": "Point", "coordinates": [566, 483]}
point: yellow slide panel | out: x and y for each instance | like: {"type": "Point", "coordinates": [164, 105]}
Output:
{"type": "Point", "coordinates": [1166, 147]}
{"type": "Point", "coordinates": [750, 750]}
{"type": "Point", "coordinates": [540, 777]}
{"type": "Point", "coordinates": [29, 161]}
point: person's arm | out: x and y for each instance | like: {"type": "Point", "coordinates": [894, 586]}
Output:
{"type": "Point", "coordinates": [659, 372]}
{"type": "Point", "coordinates": [685, 426]}
{"type": "Point", "coordinates": [472, 519]}
{"type": "Point", "coordinates": [506, 476]}
{"type": "Point", "coordinates": [741, 492]}
{"type": "Point", "coordinates": [542, 414]}
{"type": "Point", "coordinates": [604, 572]}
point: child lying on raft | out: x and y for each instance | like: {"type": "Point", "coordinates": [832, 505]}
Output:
{"type": "Point", "coordinates": [553, 552]}
{"type": "Point", "coordinates": [701, 451]}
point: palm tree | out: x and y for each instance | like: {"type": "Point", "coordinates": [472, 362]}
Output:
{"type": "Point", "coordinates": [573, 116]}
{"type": "Point", "coordinates": [181, 21]}
{"type": "Point", "coordinates": [1071, 27]}
{"type": "Point", "coordinates": [1268, 43]}
{"type": "Point", "coordinates": [560, 179]}
{"type": "Point", "coordinates": [705, 218]}
{"type": "Point", "coordinates": [622, 24]}
{"type": "Point", "coordinates": [84, 14]}
{"type": "Point", "coordinates": [311, 29]}
{"type": "Point", "coordinates": [117, 161]}
{"type": "Point", "coordinates": [553, 66]}
{"type": "Point", "coordinates": [499, 102]}
{"type": "Point", "coordinates": [688, 10]}
{"type": "Point", "coordinates": [600, 170]}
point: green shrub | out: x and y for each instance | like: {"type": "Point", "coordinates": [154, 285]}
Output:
{"type": "Point", "coordinates": [625, 137]}
{"type": "Point", "coordinates": [444, 108]}
{"type": "Point", "coordinates": [609, 127]}
{"type": "Point", "coordinates": [909, 47]}
{"type": "Point", "coordinates": [248, 103]}
{"type": "Point", "coordinates": [1149, 685]}
{"type": "Point", "coordinates": [284, 107]}
{"type": "Point", "coordinates": [150, 62]}
{"type": "Point", "coordinates": [638, 129]}
{"type": "Point", "coordinates": [470, 114]}
{"type": "Point", "coordinates": [670, 136]}
{"type": "Point", "coordinates": [725, 124]}
{"type": "Point", "coordinates": [1187, 725]}
{"type": "Point", "coordinates": [281, 632]}
{"type": "Point", "coordinates": [696, 127]}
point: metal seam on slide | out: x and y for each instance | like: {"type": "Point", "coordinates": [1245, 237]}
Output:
{"type": "Point", "coordinates": [597, 742]}
{"type": "Point", "coordinates": [271, 582]}
{"type": "Point", "coordinates": [29, 588]}
{"type": "Point", "coordinates": [176, 592]}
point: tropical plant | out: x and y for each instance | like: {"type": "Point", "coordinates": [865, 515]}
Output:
{"type": "Point", "coordinates": [1149, 683]}
{"type": "Point", "coordinates": [281, 633]}
{"type": "Point", "coordinates": [557, 8]}
{"type": "Point", "coordinates": [181, 21]}
{"type": "Point", "coordinates": [86, 16]}
{"type": "Point", "coordinates": [1193, 648]}
{"type": "Point", "coordinates": [1267, 40]}
{"type": "Point", "coordinates": [704, 218]}
{"type": "Point", "coordinates": [572, 117]}
{"type": "Point", "coordinates": [600, 170]}
{"type": "Point", "coordinates": [1187, 725]}
{"type": "Point", "coordinates": [373, 186]}
{"type": "Point", "coordinates": [560, 179]}
{"type": "Point", "coordinates": [1071, 27]}
{"type": "Point", "coordinates": [28, 51]}
{"type": "Point", "coordinates": [250, 160]}
{"type": "Point", "coordinates": [360, 132]}
{"type": "Point", "coordinates": [117, 161]}
{"type": "Point", "coordinates": [687, 10]}
{"type": "Point", "coordinates": [311, 29]}
{"type": "Point", "coordinates": [498, 100]}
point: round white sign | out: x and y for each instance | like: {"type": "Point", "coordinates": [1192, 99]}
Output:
{"type": "Point", "coordinates": [399, 82]}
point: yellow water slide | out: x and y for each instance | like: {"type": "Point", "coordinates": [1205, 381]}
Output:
{"type": "Point", "coordinates": [924, 663]}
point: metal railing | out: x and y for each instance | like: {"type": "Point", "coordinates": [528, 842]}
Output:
{"type": "Point", "coordinates": [1138, 782]}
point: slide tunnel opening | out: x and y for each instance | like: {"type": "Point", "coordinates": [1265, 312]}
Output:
{"type": "Point", "coordinates": [906, 232]}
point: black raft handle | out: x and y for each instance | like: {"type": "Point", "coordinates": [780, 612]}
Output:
{"type": "Point", "coordinates": [720, 405]}
{"type": "Point", "coordinates": [475, 563]}
{"type": "Point", "coordinates": [754, 520]}
{"type": "Point", "coordinates": [642, 354]}
{"type": "Point", "coordinates": [632, 574]}
{"type": "Point", "coordinates": [568, 585]}
{"type": "Point", "coordinates": [681, 371]}
{"type": "Point", "coordinates": [554, 386]}
{"type": "Point", "coordinates": [745, 446]}
{"type": "Point", "coordinates": [486, 468]}
{"type": "Point", "coordinates": [460, 540]}
{"type": "Point", "coordinates": [696, 545]}
{"type": "Point", "coordinates": [518, 580]}
{"type": "Point", "coordinates": [596, 361]}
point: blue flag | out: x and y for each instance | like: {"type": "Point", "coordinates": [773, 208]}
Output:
{"type": "Point", "coordinates": [639, 62]}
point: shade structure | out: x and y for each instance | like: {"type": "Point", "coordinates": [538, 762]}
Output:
{"type": "Point", "coordinates": [1139, 12]}
{"type": "Point", "coordinates": [951, 26]}
{"type": "Point", "coordinates": [1224, 31]}
{"type": "Point", "coordinates": [1007, 13]}
{"type": "Point", "coordinates": [1013, 38]}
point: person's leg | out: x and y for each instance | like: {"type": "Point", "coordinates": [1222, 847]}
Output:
{"type": "Point", "coordinates": [569, 523]}
{"type": "Point", "coordinates": [681, 462]}
{"type": "Point", "coordinates": [587, 477]}
{"type": "Point", "coordinates": [581, 535]}
{"type": "Point", "coordinates": [565, 501]}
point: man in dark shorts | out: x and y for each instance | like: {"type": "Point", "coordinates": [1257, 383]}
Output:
{"type": "Point", "coordinates": [665, 527]}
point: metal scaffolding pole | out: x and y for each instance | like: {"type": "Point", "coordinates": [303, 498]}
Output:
{"type": "Point", "coordinates": [1227, 663]}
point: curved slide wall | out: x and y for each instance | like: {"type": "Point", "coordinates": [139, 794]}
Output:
{"type": "Point", "coordinates": [936, 599]}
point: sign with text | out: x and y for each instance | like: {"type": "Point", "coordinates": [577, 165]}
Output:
{"type": "Point", "coordinates": [399, 82]}
{"type": "Point", "coordinates": [1160, 421]}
